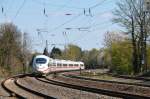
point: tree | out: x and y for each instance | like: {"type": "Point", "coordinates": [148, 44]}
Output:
{"type": "Point", "coordinates": [72, 52]}
{"type": "Point", "coordinates": [55, 53]}
{"type": "Point", "coordinates": [85, 58]}
{"type": "Point", "coordinates": [45, 52]}
{"type": "Point", "coordinates": [9, 43]}
{"type": "Point", "coordinates": [11, 47]}
{"type": "Point", "coordinates": [130, 14]}
{"type": "Point", "coordinates": [122, 57]}
{"type": "Point", "coordinates": [92, 58]}
{"type": "Point", "coordinates": [109, 39]}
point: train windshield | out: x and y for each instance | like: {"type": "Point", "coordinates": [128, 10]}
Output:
{"type": "Point", "coordinates": [41, 60]}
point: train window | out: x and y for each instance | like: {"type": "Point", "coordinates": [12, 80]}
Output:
{"type": "Point", "coordinates": [81, 65]}
{"type": "Point", "coordinates": [58, 65]}
{"type": "Point", "coordinates": [54, 64]}
{"type": "Point", "coordinates": [70, 64]}
{"type": "Point", "coordinates": [41, 60]}
{"type": "Point", "coordinates": [64, 64]}
{"type": "Point", "coordinates": [76, 65]}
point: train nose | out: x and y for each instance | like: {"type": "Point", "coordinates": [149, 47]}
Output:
{"type": "Point", "coordinates": [40, 66]}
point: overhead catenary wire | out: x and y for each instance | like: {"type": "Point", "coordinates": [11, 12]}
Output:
{"type": "Point", "coordinates": [68, 21]}
{"type": "Point", "coordinates": [98, 4]}
{"type": "Point", "coordinates": [21, 6]}
{"type": "Point", "coordinates": [101, 24]}
{"type": "Point", "coordinates": [63, 6]}
{"type": "Point", "coordinates": [89, 11]}
{"type": "Point", "coordinates": [72, 19]}
{"type": "Point", "coordinates": [5, 8]}
{"type": "Point", "coordinates": [83, 37]}
{"type": "Point", "coordinates": [56, 5]}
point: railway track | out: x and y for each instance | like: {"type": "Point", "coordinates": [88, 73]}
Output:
{"type": "Point", "coordinates": [140, 77]}
{"type": "Point", "coordinates": [142, 81]}
{"type": "Point", "coordinates": [104, 91]}
{"type": "Point", "coordinates": [130, 77]}
{"type": "Point", "coordinates": [98, 80]}
{"type": "Point", "coordinates": [14, 88]}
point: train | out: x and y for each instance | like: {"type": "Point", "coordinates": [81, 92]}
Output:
{"type": "Point", "coordinates": [43, 65]}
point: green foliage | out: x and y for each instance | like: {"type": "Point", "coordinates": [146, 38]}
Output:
{"type": "Point", "coordinates": [72, 52]}
{"type": "Point", "coordinates": [85, 57]}
{"type": "Point", "coordinates": [107, 58]}
{"type": "Point", "coordinates": [131, 15]}
{"type": "Point", "coordinates": [92, 58]}
{"type": "Point", "coordinates": [148, 57]}
{"type": "Point", "coordinates": [122, 58]}
{"type": "Point", "coordinates": [56, 53]}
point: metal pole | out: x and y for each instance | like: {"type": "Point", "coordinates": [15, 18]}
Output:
{"type": "Point", "coordinates": [46, 44]}
{"type": "Point", "coordinates": [23, 58]}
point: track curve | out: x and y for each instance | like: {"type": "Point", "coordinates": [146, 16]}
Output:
{"type": "Point", "coordinates": [15, 88]}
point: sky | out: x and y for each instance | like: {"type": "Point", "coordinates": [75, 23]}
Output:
{"type": "Point", "coordinates": [61, 22]}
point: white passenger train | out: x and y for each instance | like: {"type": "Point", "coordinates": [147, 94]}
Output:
{"type": "Point", "coordinates": [43, 64]}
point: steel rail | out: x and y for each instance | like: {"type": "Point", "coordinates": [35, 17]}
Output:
{"type": "Point", "coordinates": [32, 91]}
{"type": "Point", "coordinates": [95, 90]}
{"type": "Point", "coordinates": [130, 77]}
{"type": "Point", "coordinates": [11, 92]}
{"type": "Point", "coordinates": [22, 87]}
{"type": "Point", "coordinates": [98, 80]}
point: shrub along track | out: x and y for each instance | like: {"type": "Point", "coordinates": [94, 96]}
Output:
{"type": "Point", "coordinates": [14, 88]}
{"type": "Point", "coordinates": [111, 88]}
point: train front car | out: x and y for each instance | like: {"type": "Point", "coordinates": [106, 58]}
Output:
{"type": "Point", "coordinates": [40, 64]}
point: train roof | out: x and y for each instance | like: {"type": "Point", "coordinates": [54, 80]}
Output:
{"type": "Point", "coordinates": [59, 60]}
{"type": "Point", "coordinates": [41, 56]}
{"type": "Point", "coordinates": [67, 61]}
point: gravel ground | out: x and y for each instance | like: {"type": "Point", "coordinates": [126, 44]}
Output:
{"type": "Point", "coordinates": [10, 84]}
{"type": "Point", "coordinates": [104, 85]}
{"type": "Point", "coordinates": [102, 76]}
{"type": "Point", "coordinates": [3, 93]}
{"type": "Point", "coordinates": [60, 92]}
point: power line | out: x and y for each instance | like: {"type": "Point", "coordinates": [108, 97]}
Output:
{"type": "Point", "coordinates": [22, 5]}
{"type": "Point", "coordinates": [75, 16]}
{"type": "Point", "coordinates": [63, 6]}
{"type": "Point", "coordinates": [72, 19]}
{"type": "Point", "coordinates": [79, 14]}
{"type": "Point", "coordinates": [88, 11]}
{"type": "Point", "coordinates": [57, 9]}
{"type": "Point", "coordinates": [83, 37]}
{"type": "Point", "coordinates": [85, 26]}
{"type": "Point", "coordinates": [98, 4]}
{"type": "Point", "coordinates": [55, 5]}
